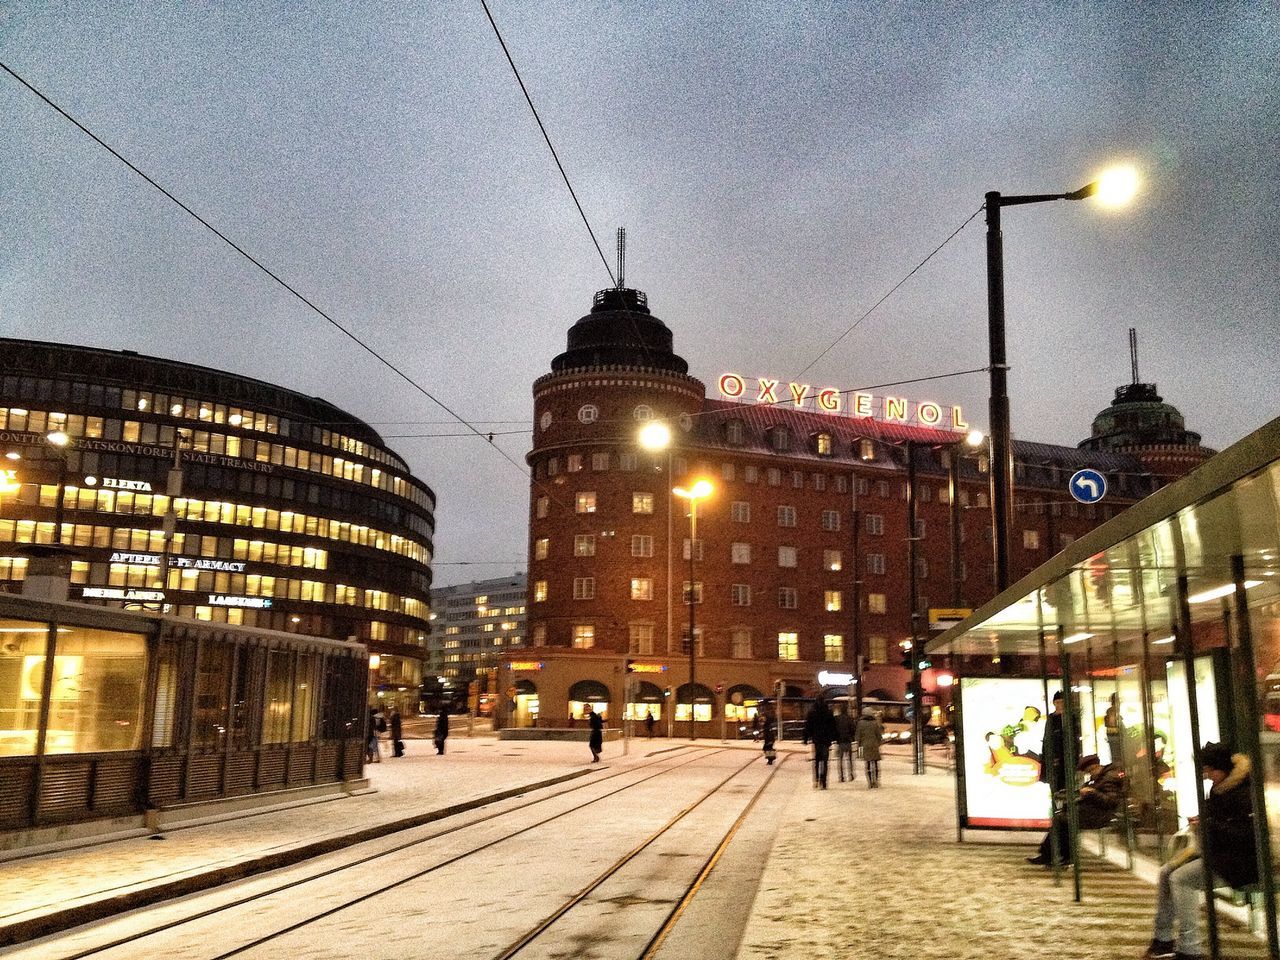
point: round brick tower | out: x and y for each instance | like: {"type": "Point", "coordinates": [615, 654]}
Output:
{"type": "Point", "coordinates": [599, 509]}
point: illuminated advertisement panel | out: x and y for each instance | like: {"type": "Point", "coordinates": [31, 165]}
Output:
{"type": "Point", "coordinates": [1178, 753]}
{"type": "Point", "coordinates": [1003, 733]}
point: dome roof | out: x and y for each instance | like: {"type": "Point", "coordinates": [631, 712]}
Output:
{"type": "Point", "coordinates": [620, 331]}
{"type": "Point", "coordinates": [1137, 417]}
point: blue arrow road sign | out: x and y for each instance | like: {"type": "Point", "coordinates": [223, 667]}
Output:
{"type": "Point", "coordinates": [1088, 486]}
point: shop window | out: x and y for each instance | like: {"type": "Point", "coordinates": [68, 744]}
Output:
{"type": "Point", "coordinates": [277, 705]}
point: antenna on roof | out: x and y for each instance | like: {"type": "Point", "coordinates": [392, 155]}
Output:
{"type": "Point", "coordinates": [622, 257]}
{"type": "Point", "coordinates": [1133, 353]}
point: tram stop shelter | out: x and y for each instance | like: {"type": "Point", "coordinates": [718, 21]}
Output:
{"type": "Point", "coordinates": [1164, 623]}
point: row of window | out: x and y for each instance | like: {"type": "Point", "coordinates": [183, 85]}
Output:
{"type": "Point", "coordinates": [119, 502]}
{"type": "Point", "coordinates": [203, 441]}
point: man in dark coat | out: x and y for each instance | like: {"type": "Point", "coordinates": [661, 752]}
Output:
{"type": "Point", "coordinates": [596, 739]}
{"type": "Point", "coordinates": [1230, 855]}
{"type": "Point", "coordinates": [442, 728]}
{"type": "Point", "coordinates": [768, 733]}
{"type": "Point", "coordinates": [1053, 769]}
{"type": "Point", "coordinates": [1096, 805]}
{"type": "Point", "coordinates": [820, 728]}
{"type": "Point", "coordinates": [397, 733]}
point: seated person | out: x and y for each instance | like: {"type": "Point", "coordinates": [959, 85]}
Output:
{"type": "Point", "coordinates": [1231, 856]}
{"type": "Point", "coordinates": [1096, 803]}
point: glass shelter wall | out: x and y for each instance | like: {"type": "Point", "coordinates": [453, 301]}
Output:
{"type": "Point", "coordinates": [1166, 626]}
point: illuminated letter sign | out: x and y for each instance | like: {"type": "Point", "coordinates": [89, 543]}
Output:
{"type": "Point", "coordinates": [648, 668]}
{"type": "Point", "coordinates": [829, 400]}
{"type": "Point", "coordinates": [957, 421]}
{"type": "Point", "coordinates": [862, 404]}
{"type": "Point", "coordinates": [256, 603]}
{"type": "Point", "coordinates": [895, 408]}
{"type": "Point", "coordinates": [145, 559]}
{"type": "Point", "coordinates": [767, 388]}
{"type": "Point", "coordinates": [799, 391]}
{"type": "Point", "coordinates": [928, 413]}
{"type": "Point", "coordinates": [526, 664]}
{"type": "Point", "coordinates": [732, 386]}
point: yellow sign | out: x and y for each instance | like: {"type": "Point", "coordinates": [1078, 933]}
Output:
{"type": "Point", "coordinates": [526, 664]}
{"type": "Point", "coordinates": [648, 668]}
{"type": "Point", "coordinates": [947, 616]}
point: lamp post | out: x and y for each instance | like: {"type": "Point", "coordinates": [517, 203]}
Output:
{"type": "Point", "coordinates": [699, 491]}
{"type": "Point", "coordinates": [974, 438]}
{"type": "Point", "coordinates": [58, 440]}
{"type": "Point", "coordinates": [655, 437]}
{"type": "Point", "coordinates": [1113, 188]}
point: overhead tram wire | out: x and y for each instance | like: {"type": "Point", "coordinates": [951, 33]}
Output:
{"type": "Point", "coordinates": [853, 326]}
{"type": "Point", "coordinates": [257, 263]}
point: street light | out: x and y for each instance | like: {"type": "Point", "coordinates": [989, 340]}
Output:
{"type": "Point", "coordinates": [58, 440]}
{"type": "Point", "coordinates": [1113, 188]}
{"type": "Point", "coordinates": [699, 491]}
{"type": "Point", "coordinates": [655, 437]}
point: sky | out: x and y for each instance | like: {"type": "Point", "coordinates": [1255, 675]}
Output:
{"type": "Point", "coordinates": [778, 167]}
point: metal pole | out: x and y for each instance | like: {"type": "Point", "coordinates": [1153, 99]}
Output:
{"type": "Point", "coordinates": [1046, 750]}
{"type": "Point", "coordinates": [693, 645]}
{"type": "Point", "coordinates": [1070, 732]}
{"type": "Point", "coordinates": [670, 569]}
{"type": "Point", "coordinates": [856, 568]}
{"type": "Point", "coordinates": [1247, 700]}
{"type": "Point", "coordinates": [59, 508]}
{"type": "Point", "coordinates": [953, 494]}
{"type": "Point", "coordinates": [1001, 452]}
{"type": "Point", "coordinates": [917, 698]}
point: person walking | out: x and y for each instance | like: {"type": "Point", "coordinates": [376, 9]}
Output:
{"type": "Point", "coordinates": [371, 752]}
{"type": "Point", "coordinates": [648, 724]}
{"type": "Point", "coordinates": [769, 732]}
{"type": "Point", "coordinates": [844, 744]}
{"type": "Point", "coordinates": [1053, 763]}
{"type": "Point", "coordinates": [820, 727]}
{"type": "Point", "coordinates": [868, 733]}
{"type": "Point", "coordinates": [442, 728]}
{"type": "Point", "coordinates": [595, 739]}
{"type": "Point", "coordinates": [397, 733]}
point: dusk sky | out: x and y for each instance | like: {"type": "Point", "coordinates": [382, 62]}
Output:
{"type": "Point", "coordinates": [778, 168]}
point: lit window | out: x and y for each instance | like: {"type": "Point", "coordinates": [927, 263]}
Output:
{"type": "Point", "coordinates": [867, 449]}
{"type": "Point", "coordinates": [541, 546]}
{"type": "Point", "coordinates": [586, 502]}
{"type": "Point", "coordinates": [1031, 539]}
{"type": "Point", "coordinates": [830, 519]}
{"type": "Point", "coordinates": [786, 516]}
{"type": "Point", "coordinates": [584, 545]}
{"type": "Point", "coordinates": [584, 588]}
{"type": "Point", "coordinates": [788, 646]}
{"type": "Point", "coordinates": [539, 591]}
{"type": "Point", "coordinates": [825, 446]}
{"type": "Point", "coordinates": [876, 603]}
{"type": "Point", "coordinates": [740, 594]}
{"type": "Point", "coordinates": [641, 545]}
{"type": "Point", "coordinates": [831, 560]}
{"type": "Point", "coordinates": [642, 503]}
{"type": "Point", "coordinates": [697, 591]}
{"type": "Point", "coordinates": [584, 636]}
{"type": "Point", "coordinates": [574, 462]}
{"type": "Point", "coordinates": [543, 505]}
{"type": "Point", "coordinates": [741, 553]}
{"type": "Point", "coordinates": [740, 512]}
{"type": "Point", "coordinates": [878, 649]}
{"type": "Point", "coordinates": [787, 598]}
{"type": "Point", "coordinates": [641, 588]}
{"type": "Point", "coordinates": [539, 634]}
{"type": "Point", "coordinates": [833, 647]}
{"type": "Point", "coordinates": [786, 556]}
{"type": "Point", "coordinates": [832, 600]}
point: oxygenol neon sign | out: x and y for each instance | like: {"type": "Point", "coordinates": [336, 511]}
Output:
{"type": "Point", "coordinates": [829, 400]}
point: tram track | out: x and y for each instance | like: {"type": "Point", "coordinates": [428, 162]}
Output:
{"type": "Point", "coordinates": [134, 939]}
{"type": "Point", "coordinates": [655, 943]}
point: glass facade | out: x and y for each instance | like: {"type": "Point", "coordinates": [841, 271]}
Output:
{"type": "Point", "coordinates": [1165, 626]}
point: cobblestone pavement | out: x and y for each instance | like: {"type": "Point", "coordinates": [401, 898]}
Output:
{"type": "Point", "coordinates": [879, 874]}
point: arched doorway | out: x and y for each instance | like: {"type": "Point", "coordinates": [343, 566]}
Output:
{"type": "Point", "coordinates": [646, 700]}
{"type": "Point", "coordinates": [703, 702]}
{"type": "Point", "coordinates": [741, 704]}
{"type": "Point", "coordinates": [588, 693]}
{"type": "Point", "coordinates": [525, 712]}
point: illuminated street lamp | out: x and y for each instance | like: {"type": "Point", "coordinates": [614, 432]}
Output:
{"type": "Point", "coordinates": [699, 491]}
{"type": "Point", "coordinates": [58, 440]}
{"type": "Point", "coordinates": [655, 437]}
{"type": "Point", "coordinates": [1113, 188]}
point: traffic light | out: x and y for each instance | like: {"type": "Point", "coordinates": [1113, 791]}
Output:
{"type": "Point", "coordinates": [908, 656]}
{"type": "Point", "coordinates": [925, 662]}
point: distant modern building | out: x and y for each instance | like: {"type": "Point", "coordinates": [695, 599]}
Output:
{"type": "Point", "coordinates": [216, 497]}
{"type": "Point", "coordinates": [801, 573]}
{"type": "Point", "coordinates": [474, 623]}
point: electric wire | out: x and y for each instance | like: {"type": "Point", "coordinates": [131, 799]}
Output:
{"type": "Point", "coordinates": [260, 265]}
{"type": "Point", "coordinates": [890, 292]}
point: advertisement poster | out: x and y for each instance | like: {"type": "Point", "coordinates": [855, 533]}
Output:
{"type": "Point", "coordinates": [1178, 755]}
{"type": "Point", "coordinates": [1003, 732]}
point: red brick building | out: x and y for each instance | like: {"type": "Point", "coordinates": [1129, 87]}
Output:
{"type": "Point", "coordinates": [801, 559]}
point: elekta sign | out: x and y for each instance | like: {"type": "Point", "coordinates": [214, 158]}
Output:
{"type": "Point", "coordinates": [925, 413]}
